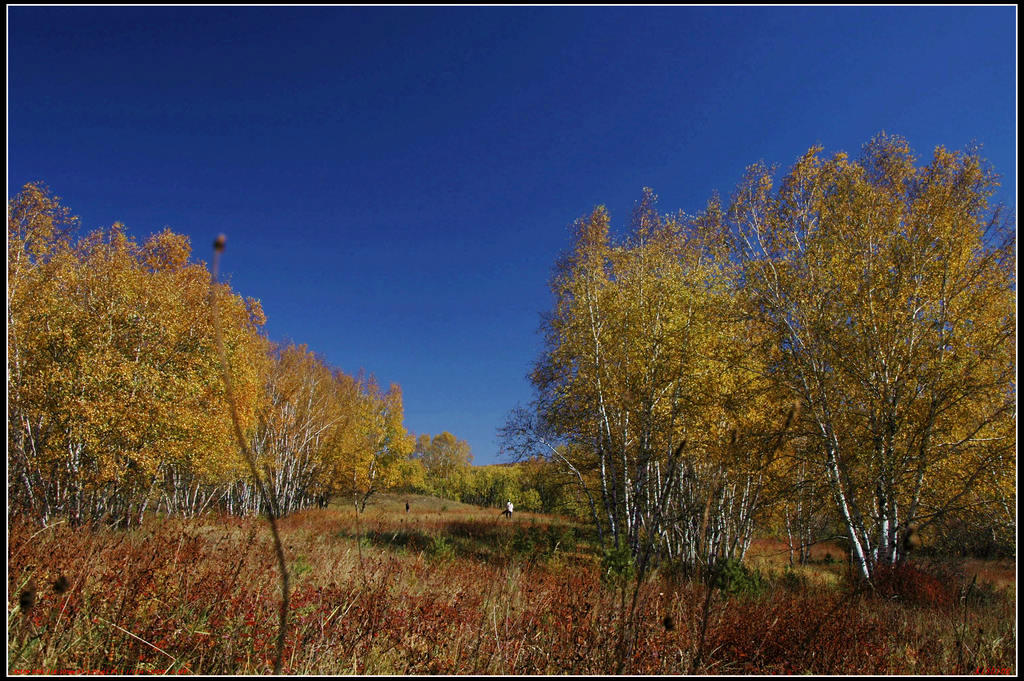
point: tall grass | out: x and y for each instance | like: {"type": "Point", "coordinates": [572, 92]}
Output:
{"type": "Point", "coordinates": [198, 597]}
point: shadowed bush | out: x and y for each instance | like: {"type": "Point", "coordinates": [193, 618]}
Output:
{"type": "Point", "coordinates": [734, 578]}
{"type": "Point", "coordinates": [913, 584]}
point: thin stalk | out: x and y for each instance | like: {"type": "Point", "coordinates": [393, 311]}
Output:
{"type": "Point", "coordinates": [270, 504]}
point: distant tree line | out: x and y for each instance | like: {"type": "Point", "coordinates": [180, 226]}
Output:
{"type": "Point", "coordinates": [442, 466]}
{"type": "Point", "coordinates": [832, 349]}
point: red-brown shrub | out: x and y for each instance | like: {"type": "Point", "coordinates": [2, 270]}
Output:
{"type": "Point", "coordinates": [201, 596]}
{"type": "Point", "coordinates": [913, 584]}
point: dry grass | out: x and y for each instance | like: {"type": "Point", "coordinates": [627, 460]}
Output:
{"type": "Point", "coordinates": [1001, 573]}
{"type": "Point", "coordinates": [827, 567]}
{"type": "Point", "coordinates": [454, 591]}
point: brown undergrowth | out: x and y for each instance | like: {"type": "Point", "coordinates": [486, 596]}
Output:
{"type": "Point", "coordinates": [454, 592]}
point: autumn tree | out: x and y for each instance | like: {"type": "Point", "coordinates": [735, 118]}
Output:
{"type": "Point", "coordinates": [380, 442]}
{"type": "Point", "coordinates": [117, 402]}
{"type": "Point", "coordinates": [39, 230]}
{"type": "Point", "coordinates": [323, 433]}
{"type": "Point", "coordinates": [114, 384]}
{"type": "Point", "coordinates": [302, 407]}
{"type": "Point", "coordinates": [890, 291]}
{"type": "Point", "coordinates": [446, 460]}
{"type": "Point", "coordinates": [642, 396]}
{"type": "Point", "coordinates": [408, 475]}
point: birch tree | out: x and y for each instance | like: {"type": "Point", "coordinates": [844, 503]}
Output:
{"type": "Point", "coordinates": [642, 355]}
{"type": "Point", "coordinates": [890, 291]}
{"type": "Point", "coordinates": [114, 384]}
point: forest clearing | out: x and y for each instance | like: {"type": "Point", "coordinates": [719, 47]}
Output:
{"type": "Point", "coordinates": [709, 486]}
{"type": "Point", "coordinates": [455, 589]}
{"type": "Point", "coordinates": [357, 340]}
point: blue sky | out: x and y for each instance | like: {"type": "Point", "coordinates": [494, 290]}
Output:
{"type": "Point", "coordinates": [396, 182]}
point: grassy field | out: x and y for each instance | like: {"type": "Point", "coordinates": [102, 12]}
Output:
{"type": "Point", "coordinates": [454, 589]}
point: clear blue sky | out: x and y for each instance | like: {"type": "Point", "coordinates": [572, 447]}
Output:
{"type": "Point", "coordinates": [396, 183]}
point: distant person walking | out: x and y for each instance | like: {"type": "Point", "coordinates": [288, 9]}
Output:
{"type": "Point", "coordinates": [407, 507]}
{"type": "Point", "coordinates": [508, 510]}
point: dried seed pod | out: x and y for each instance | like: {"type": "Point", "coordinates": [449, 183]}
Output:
{"type": "Point", "coordinates": [912, 538]}
{"type": "Point", "coordinates": [27, 599]}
